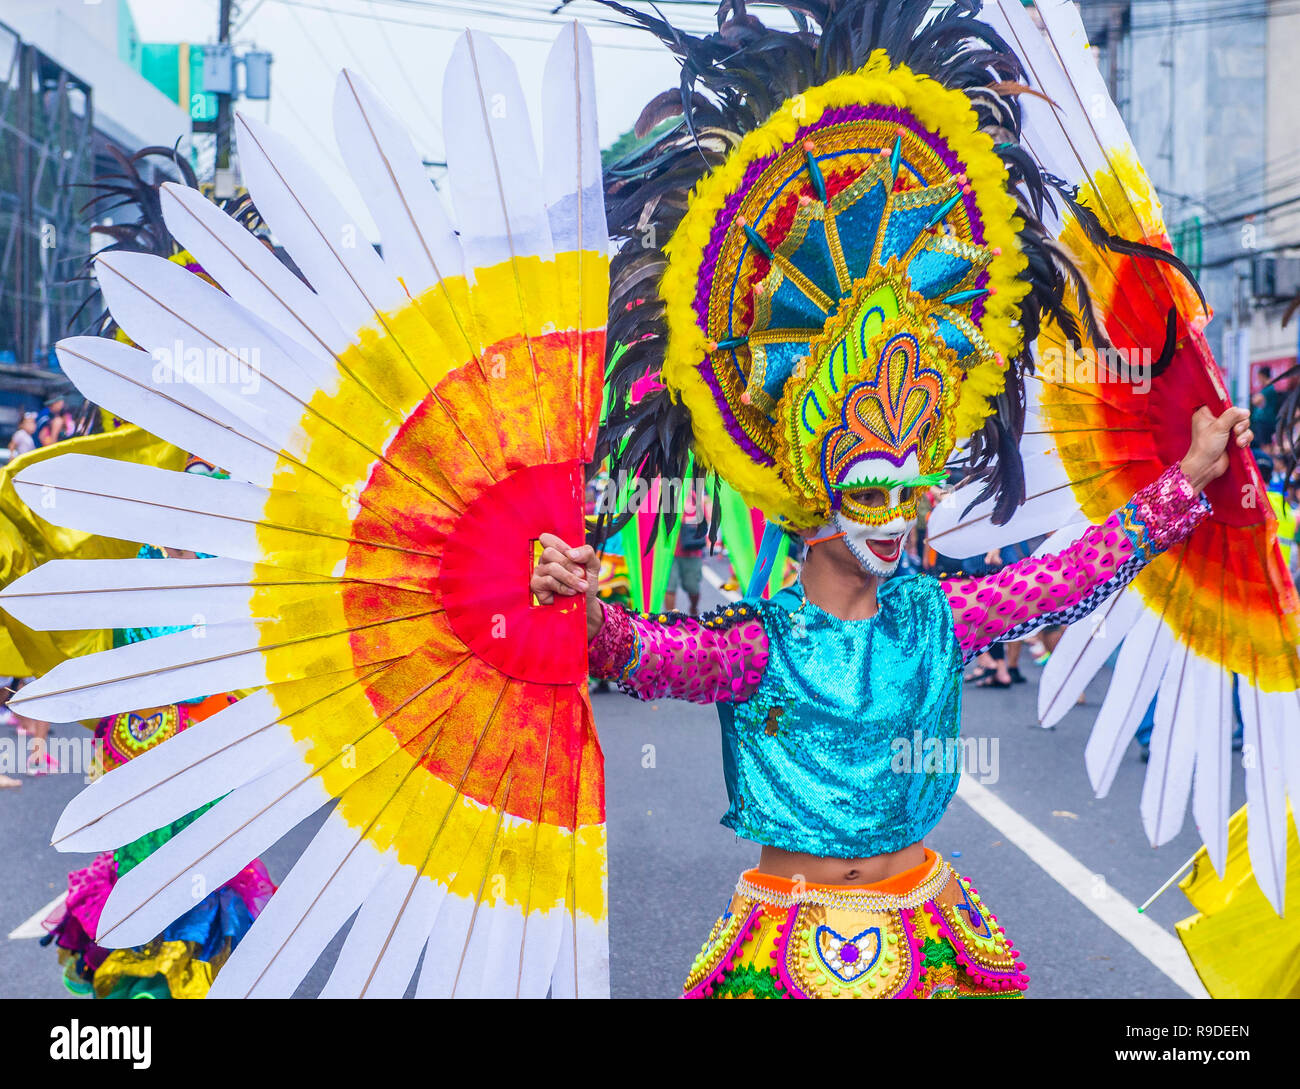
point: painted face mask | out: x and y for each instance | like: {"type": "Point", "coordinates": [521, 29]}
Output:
{"type": "Point", "coordinates": [847, 321]}
{"type": "Point", "coordinates": [879, 549]}
{"type": "Point", "coordinates": [878, 545]}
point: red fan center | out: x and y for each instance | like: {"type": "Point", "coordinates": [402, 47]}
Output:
{"type": "Point", "coordinates": [485, 573]}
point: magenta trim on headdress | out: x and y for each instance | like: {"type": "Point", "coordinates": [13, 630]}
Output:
{"type": "Point", "coordinates": [731, 208]}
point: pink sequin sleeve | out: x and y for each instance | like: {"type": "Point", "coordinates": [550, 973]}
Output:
{"type": "Point", "coordinates": [717, 658]}
{"type": "Point", "coordinates": [1061, 589]}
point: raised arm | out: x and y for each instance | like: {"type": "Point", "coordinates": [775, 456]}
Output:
{"type": "Point", "coordinates": [1064, 587]}
{"type": "Point", "coordinates": [718, 658]}
{"type": "Point", "coordinates": [714, 659]}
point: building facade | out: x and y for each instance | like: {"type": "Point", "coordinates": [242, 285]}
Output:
{"type": "Point", "coordinates": [70, 89]}
{"type": "Point", "coordinates": [1208, 91]}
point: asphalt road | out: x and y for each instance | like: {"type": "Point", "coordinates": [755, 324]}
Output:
{"type": "Point", "coordinates": [672, 865]}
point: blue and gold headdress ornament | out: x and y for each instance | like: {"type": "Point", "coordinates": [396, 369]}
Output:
{"type": "Point", "coordinates": [853, 304]}
{"type": "Point", "coordinates": [851, 271]}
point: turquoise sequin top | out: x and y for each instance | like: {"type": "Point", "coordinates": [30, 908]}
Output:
{"type": "Point", "coordinates": [841, 737]}
{"type": "Point", "coordinates": [828, 755]}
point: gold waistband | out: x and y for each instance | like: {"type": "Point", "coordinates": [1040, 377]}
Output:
{"type": "Point", "coordinates": [848, 898]}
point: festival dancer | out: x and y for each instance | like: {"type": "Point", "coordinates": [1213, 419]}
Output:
{"type": "Point", "coordinates": [838, 264]}
{"type": "Point", "coordinates": [851, 292]}
{"type": "Point", "coordinates": [842, 696]}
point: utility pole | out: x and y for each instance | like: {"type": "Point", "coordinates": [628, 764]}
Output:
{"type": "Point", "coordinates": [221, 82]}
{"type": "Point", "coordinates": [1113, 32]}
{"type": "Point", "coordinates": [224, 107]}
{"type": "Point", "coordinates": [25, 264]}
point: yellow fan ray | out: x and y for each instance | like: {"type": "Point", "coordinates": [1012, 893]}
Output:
{"type": "Point", "coordinates": [309, 636]}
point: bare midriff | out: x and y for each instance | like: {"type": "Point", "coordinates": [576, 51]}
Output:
{"type": "Point", "coordinates": [817, 870]}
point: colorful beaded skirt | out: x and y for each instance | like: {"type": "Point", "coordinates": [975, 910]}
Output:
{"type": "Point", "coordinates": [182, 961]}
{"type": "Point", "coordinates": [923, 934]}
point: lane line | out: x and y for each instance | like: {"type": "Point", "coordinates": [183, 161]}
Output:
{"type": "Point", "coordinates": [1143, 933]}
{"type": "Point", "coordinates": [1147, 937]}
{"type": "Point", "coordinates": [31, 928]}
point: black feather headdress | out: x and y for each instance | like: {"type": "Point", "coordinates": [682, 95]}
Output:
{"type": "Point", "coordinates": [731, 82]}
{"type": "Point", "coordinates": [133, 201]}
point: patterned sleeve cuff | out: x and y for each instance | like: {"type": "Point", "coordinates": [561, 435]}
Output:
{"type": "Point", "coordinates": [610, 651]}
{"type": "Point", "coordinates": [1163, 513]}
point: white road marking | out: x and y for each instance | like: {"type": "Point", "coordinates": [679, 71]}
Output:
{"type": "Point", "coordinates": [1145, 935]}
{"type": "Point", "coordinates": [32, 927]}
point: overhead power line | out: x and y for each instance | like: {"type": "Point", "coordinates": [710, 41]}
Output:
{"type": "Point", "coordinates": [649, 47]}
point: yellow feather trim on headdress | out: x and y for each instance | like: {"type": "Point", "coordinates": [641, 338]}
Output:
{"type": "Point", "coordinates": [938, 109]}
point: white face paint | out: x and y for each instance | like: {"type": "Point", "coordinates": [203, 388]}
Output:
{"type": "Point", "coordinates": [879, 549]}
{"type": "Point", "coordinates": [884, 491]}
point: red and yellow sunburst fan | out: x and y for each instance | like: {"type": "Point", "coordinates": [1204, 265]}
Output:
{"type": "Point", "coordinates": [1115, 431]}
{"type": "Point", "coordinates": [1215, 614]}
{"type": "Point", "coordinates": [398, 439]}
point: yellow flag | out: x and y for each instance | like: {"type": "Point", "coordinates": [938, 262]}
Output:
{"type": "Point", "coordinates": [27, 541]}
{"type": "Point", "coordinates": [1238, 945]}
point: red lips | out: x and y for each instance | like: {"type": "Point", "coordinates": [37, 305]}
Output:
{"type": "Point", "coordinates": [887, 549]}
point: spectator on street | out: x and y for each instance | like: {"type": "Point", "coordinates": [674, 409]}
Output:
{"type": "Point", "coordinates": [22, 441]}
{"type": "Point", "coordinates": [1263, 409]}
{"type": "Point", "coordinates": [39, 761]}
{"type": "Point", "coordinates": [1288, 527]}
{"type": "Point", "coordinates": [55, 423]}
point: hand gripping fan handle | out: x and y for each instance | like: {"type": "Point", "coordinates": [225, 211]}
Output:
{"type": "Point", "coordinates": [485, 576]}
